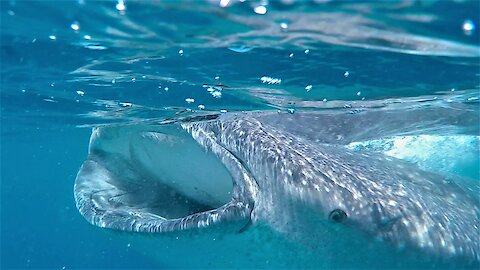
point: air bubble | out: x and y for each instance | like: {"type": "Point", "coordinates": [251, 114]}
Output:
{"type": "Point", "coordinates": [346, 74]}
{"type": "Point", "coordinates": [75, 26]}
{"type": "Point", "coordinates": [260, 10]}
{"type": "Point", "coordinates": [190, 100]}
{"type": "Point", "coordinates": [121, 5]}
{"type": "Point", "coordinates": [80, 93]}
{"type": "Point", "coordinates": [224, 3]}
{"type": "Point", "coordinates": [270, 80]}
{"type": "Point", "coordinates": [306, 51]}
{"type": "Point", "coordinates": [201, 107]}
{"type": "Point", "coordinates": [468, 27]}
{"type": "Point", "coordinates": [308, 87]}
{"type": "Point", "coordinates": [95, 47]}
{"type": "Point", "coordinates": [284, 25]}
{"type": "Point", "coordinates": [217, 94]}
{"type": "Point", "coordinates": [50, 100]}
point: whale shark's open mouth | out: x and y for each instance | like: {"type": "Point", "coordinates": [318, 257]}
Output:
{"type": "Point", "coordinates": [154, 178]}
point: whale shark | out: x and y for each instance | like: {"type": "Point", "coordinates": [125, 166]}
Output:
{"type": "Point", "coordinates": [297, 174]}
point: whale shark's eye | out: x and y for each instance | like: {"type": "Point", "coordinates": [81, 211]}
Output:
{"type": "Point", "coordinates": [337, 215]}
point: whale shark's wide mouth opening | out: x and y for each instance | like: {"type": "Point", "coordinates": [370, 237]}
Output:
{"type": "Point", "coordinates": [159, 170]}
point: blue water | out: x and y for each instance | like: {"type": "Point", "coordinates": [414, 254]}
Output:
{"type": "Point", "coordinates": [69, 65]}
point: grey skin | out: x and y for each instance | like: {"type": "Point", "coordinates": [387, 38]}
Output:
{"type": "Point", "coordinates": [293, 174]}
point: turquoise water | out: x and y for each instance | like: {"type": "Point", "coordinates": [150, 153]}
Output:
{"type": "Point", "coordinates": [70, 65]}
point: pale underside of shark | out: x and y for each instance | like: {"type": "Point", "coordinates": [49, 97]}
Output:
{"type": "Point", "coordinates": [287, 171]}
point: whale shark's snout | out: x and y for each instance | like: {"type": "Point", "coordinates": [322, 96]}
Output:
{"type": "Point", "coordinates": [246, 169]}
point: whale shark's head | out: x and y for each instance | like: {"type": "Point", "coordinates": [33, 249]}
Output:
{"type": "Point", "coordinates": [244, 170]}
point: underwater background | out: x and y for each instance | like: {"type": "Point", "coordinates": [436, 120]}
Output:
{"type": "Point", "coordinates": [67, 66]}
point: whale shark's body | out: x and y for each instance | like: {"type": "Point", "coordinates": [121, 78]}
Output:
{"type": "Point", "coordinates": [292, 173]}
